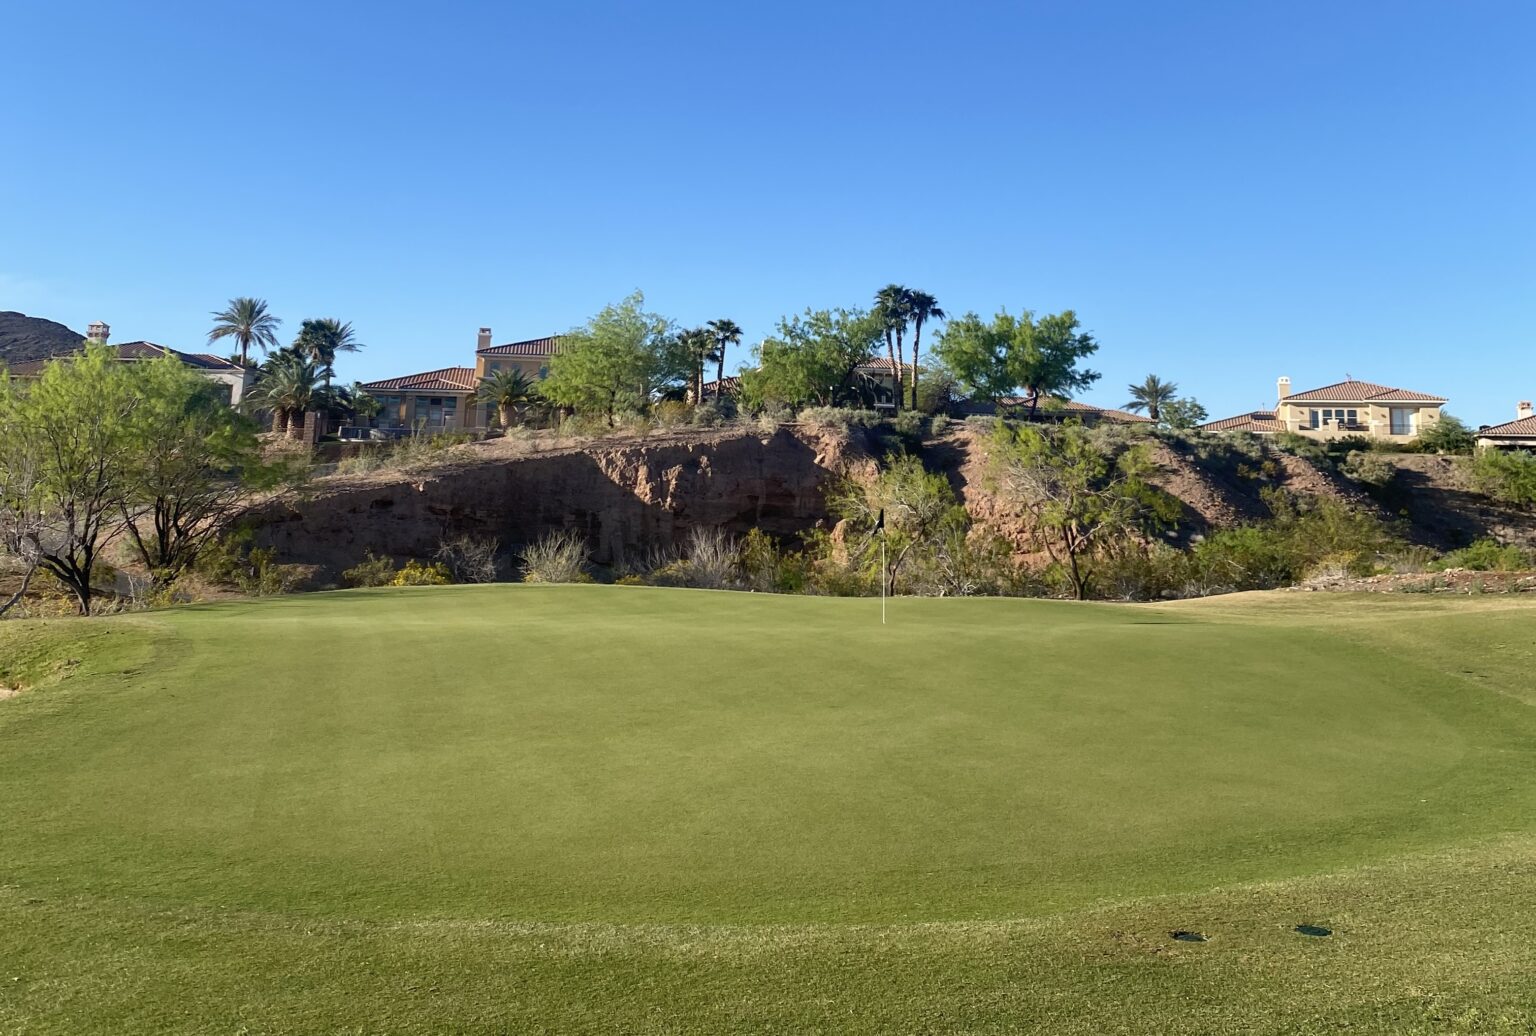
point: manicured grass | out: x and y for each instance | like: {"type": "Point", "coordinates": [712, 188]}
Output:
{"type": "Point", "coordinates": [609, 809]}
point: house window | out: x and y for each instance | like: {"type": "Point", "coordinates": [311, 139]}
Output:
{"type": "Point", "coordinates": [1402, 421]}
{"type": "Point", "coordinates": [1340, 417]}
{"type": "Point", "coordinates": [1312, 416]}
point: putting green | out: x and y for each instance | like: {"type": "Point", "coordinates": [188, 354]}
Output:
{"type": "Point", "coordinates": [639, 757]}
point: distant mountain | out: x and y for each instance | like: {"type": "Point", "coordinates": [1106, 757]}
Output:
{"type": "Point", "coordinates": [33, 338]}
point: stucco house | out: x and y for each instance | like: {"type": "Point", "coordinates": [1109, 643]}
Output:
{"type": "Point", "coordinates": [443, 400]}
{"type": "Point", "coordinates": [1519, 434]}
{"type": "Point", "coordinates": [234, 379]}
{"type": "Point", "coordinates": [1335, 411]}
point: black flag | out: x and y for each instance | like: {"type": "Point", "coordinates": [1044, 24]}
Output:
{"type": "Point", "coordinates": [880, 521]}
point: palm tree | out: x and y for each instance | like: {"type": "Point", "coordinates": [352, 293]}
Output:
{"type": "Point", "coordinates": [699, 346]}
{"type": "Point", "coordinates": [508, 389]}
{"type": "Point", "coordinates": [1151, 395]}
{"type": "Point", "coordinates": [247, 321]}
{"type": "Point", "coordinates": [893, 305]}
{"type": "Point", "coordinates": [923, 307]}
{"type": "Point", "coordinates": [727, 334]}
{"type": "Point", "coordinates": [320, 340]}
{"type": "Point", "coordinates": [288, 386]}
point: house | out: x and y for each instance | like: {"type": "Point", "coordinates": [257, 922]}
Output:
{"type": "Point", "coordinates": [1517, 434]}
{"type": "Point", "coordinates": [443, 399]}
{"type": "Point", "coordinates": [234, 379]}
{"type": "Point", "coordinates": [1050, 409]}
{"type": "Point", "coordinates": [1347, 408]}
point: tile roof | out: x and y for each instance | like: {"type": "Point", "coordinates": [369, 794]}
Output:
{"type": "Point", "coordinates": [731, 383]}
{"type": "Point", "coordinates": [1525, 426]}
{"type": "Point", "coordinates": [153, 351]}
{"type": "Point", "coordinates": [1051, 404]}
{"type": "Point", "coordinates": [449, 379]}
{"type": "Point", "coordinates": [1360, 392]}
{"type": "Point", "coordinates": [138, 351]}
{"type": "Point", "coordinates": [533, 347]}
{"type": "Point", "coordinates": [1253, 421]}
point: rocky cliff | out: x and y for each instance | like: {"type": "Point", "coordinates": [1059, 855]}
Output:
{"type": "Point", "coordinates": [626, 497]}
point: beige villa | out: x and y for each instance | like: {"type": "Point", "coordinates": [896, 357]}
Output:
{"type": "Point", "coordinates": [1519, 434]}
{"type": "Point", "coordinates": [443, 400]}
{"type": "Point", "coordinates": [1347, 408]}
{"type": "Point", "coordinates": [233, 380]}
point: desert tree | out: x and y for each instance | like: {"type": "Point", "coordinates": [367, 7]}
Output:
{"type": "Point", "coordinates": [510, 391]}
{"type": "Point", "coordinates": [1080, 500]}
{"type": "Point", "coordinates": [893, 305]}
{"type": "Point", "coordinates": [616, 362]}
{"type": "Point", "coordinates": [67, 447]}
{"type": "Point", "coordinates": [727, 333]}
{"type": "Point", "coordinates": [923, 307]}
{"type": "Point", "coordinates": [994, 358]}
{"type": "Point", "coordinates": [1151, 396]}
{"type": "Point", "coordinates": [249, 323]}
{"type": "Point", "coordinates": [192, 468]}
{"type": "Point", "coordinates": [288, 386]}
{"type": "Point", "coordinates": [811, 358]}
{"type": "Point", "coordinates": [920, 512]}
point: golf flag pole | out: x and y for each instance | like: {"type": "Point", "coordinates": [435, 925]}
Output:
{"type": "Point", "coordinates": [880, 528]}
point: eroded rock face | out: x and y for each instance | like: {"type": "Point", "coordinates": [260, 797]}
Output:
{"type": "Point", "coordinates": [626, 498]}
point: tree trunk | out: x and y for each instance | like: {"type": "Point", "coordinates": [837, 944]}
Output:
{"type": "Point", "coordinates": [280, 422]}
{"type": "Point", "coordinates": [917, 337]}
{"type": "Point", "coordinates": [720, 364]}
{"type": "Point", "coordinates": [296, 426]}
{"type": "Point", "coordinates": [504, 415]}
{"type": "Point", "coordinates": [15, 598]}
{"type": "Point", "coordinates": [890, 352]}
{"type": "Point", "coordinates": [901, 372]}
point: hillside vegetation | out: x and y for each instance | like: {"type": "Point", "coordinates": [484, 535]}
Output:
{"type": "Point", "coordinates": [598, 809]}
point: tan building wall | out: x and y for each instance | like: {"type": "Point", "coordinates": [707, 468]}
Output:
{"type": "Point", "coordinates": [433, 410]}
{"type": "Point", "coordinates": [1319, 420]}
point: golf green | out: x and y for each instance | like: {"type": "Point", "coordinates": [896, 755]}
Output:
{"type": "Point", "coordinates": [620, 781]}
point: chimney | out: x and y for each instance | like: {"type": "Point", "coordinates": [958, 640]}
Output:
{"type": "Point", "coordinates": [484, 341]}
{"type": "Point", "coordinates": [1282, 387]}
{"type": "Point", "coordinates": [98, 332]}
{"type": "Point", "coordinates": [1522, 409]}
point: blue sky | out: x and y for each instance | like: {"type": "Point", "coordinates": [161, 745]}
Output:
{"type": "Point", "coordinates": [1225, 192]}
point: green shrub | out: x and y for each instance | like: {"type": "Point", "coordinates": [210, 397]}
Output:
{"type": "Point", "coordinates": [840, 417]}
{"type": "Point", "coordinates": [1507, 476]}
{"type": "Point", "coordinates": [371, 571]}
{"type": "Point", "coordinates": [671, 413]}
{"type": "Point", "coordinates": [1448, 435]}
{"type": "Point", "coordinates": [420, 573]}
{"type": "Point", "coordinates": [1370, 468]}
{"type": "Point", "coordinates": [1488, 555]}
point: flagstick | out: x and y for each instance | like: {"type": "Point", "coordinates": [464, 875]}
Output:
{"type": "Point", "coordinates": [882, 576]}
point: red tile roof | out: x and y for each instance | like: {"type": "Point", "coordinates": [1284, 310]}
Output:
{"type": "Point", "coordinates": [731, 383]}
{"type": "Point", "coordinates": [533, 348]}
{"type": "Point", "coordinates": [449, 379]}
{"type": "Point", "coordinates": [1360, 392]}
{"type": "Point", "coordinates": [1052, 404]}
{"type": "Point", "coordinates": [1260, 421]}
{"type": "Point", "coordinates": [1525, 427]}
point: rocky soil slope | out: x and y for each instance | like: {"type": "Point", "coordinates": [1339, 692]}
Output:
{"type": "Point", "coordinates": [629, 496]}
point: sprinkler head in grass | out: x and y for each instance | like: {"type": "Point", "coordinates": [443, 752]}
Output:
{"type": "Point", "coordinates": [1182, 936]}
{"type": "Point", "coordinates": [1317, 931]}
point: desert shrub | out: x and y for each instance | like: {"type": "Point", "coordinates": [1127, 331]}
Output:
{"type": "Point", "coordinates": [1251, 557]}
{"type": "Point", "coordinates": [840, 417]}
{"type": "Point", "coordinates": [584, 426]}
{"type": "Point", "coordinates": [232, 561]}
{"type": "Point", "coordinates": [711, 558]}
{"type": "Point", "coordinates": [1507, 476]}
{"type": "Point", "coordinates": [371, 571]}
{"type": "Point", "coordinates": [763, 566]}
{"type": "Point", "coordinates": [1300, 446]}
{"type": "Point", "coordinates": [714, 412]}
{"type": "Point", "coordinates": [671, 413]}
{"type": "Point", "coordinates": [1370, 468]}
{"type": "Point", "coordinates": [421, 573]}
{"type": "Point", "coordinates": [1146, 572]}
{"type": "Point", "coordinates": [468, 559]}
{"type": "Point", "coordinates": [415, 453]}
{"type": "Point", "coordinates": [1411, 559]}
{"type": "Point", "coordinates": [1488, 555]}
{"type": "Point", "coordinates": [559, 557]}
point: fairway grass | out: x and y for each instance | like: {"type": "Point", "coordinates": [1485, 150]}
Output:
{"type": "Point", "coordinates": [610, 809]}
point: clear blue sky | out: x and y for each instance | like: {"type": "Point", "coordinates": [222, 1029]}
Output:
{"type": "Point", "coordinates": [1224, 191]}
